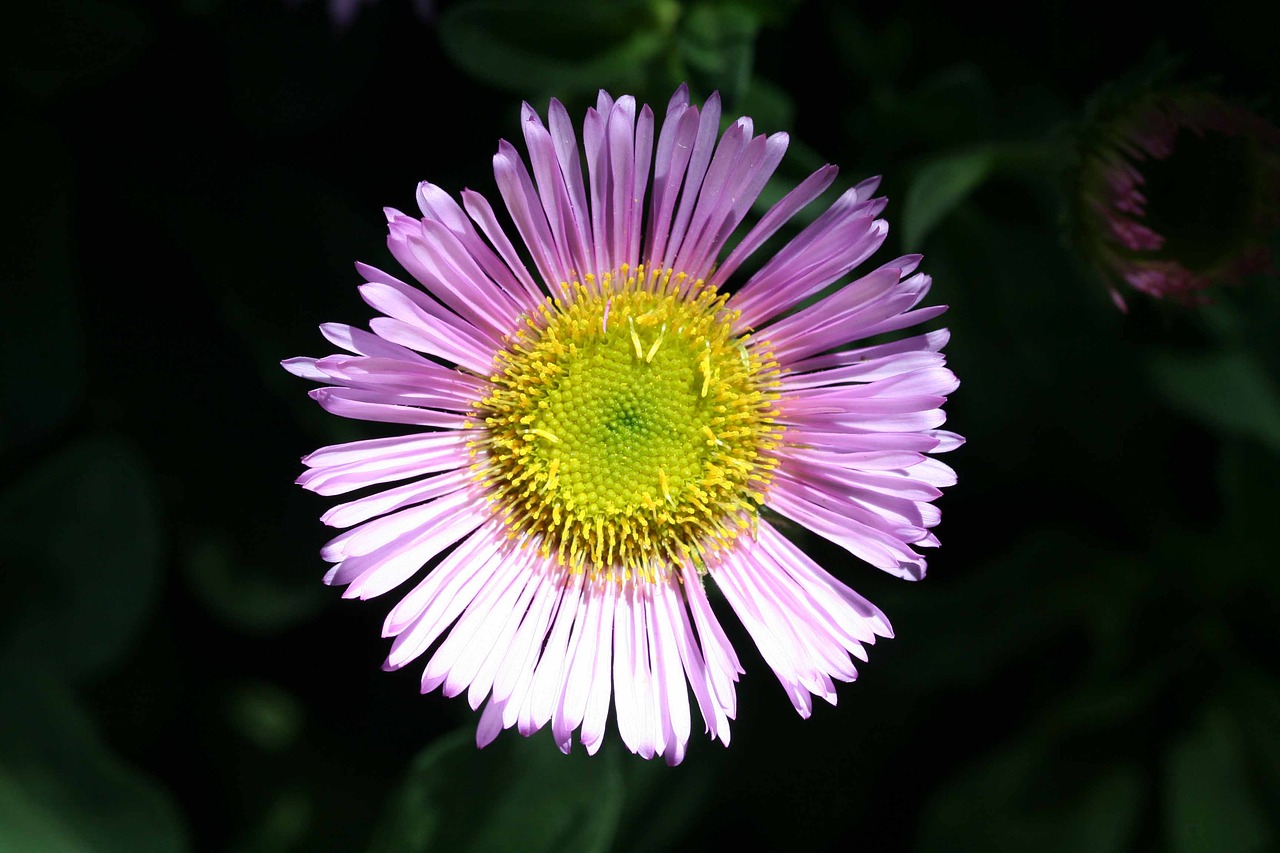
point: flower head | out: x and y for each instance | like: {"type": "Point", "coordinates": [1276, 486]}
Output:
{"type": "Point", "coordinates": [600, 440]}
{"type": "Point", "coordinates": [1179, 192]}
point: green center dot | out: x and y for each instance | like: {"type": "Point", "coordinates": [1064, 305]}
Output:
{"type": "Point", "coordinates": [621, 420]}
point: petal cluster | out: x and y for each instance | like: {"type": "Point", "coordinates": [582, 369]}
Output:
{"type": "Point", "coordinates": [522, 633]}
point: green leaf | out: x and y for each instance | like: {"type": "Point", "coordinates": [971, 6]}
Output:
{"type": "Point", "coordinates": [1246, 478]}
{"type": "Point", "coordinates": [1255, 703]}
{"type": "Point", "coordinates": [772, 109]}
{"type": "Point", "coordinates": [85, 528]}
{"type": "Point", "coordinates": [717, 43]}
{"type": "Point", "coordinates": [284, 825]}
{"type": "Point", "coordinates": [556, 46]}
{"type": "Point", "coordinates": [245, 595]}
{"type": "Point", "coordinates": [61, 786]}
{"type": "Point", "coordinates": [663, 805]}
{"type": "Point", "coordinates": [459, 798]}
{"type": "Point", "coordinates": [1026, 798]}
{"type": "Point", "coordinates": [940, 186]}
{"type": "Point", "coordinates": [1223, 390]}
{"type": "Point", "coordinates": [1210, 805]}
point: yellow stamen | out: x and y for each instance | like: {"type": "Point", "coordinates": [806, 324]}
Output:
{"type": "Point", "coordinates": [635, 338]}
{"type": "Point", "coordinates": [653, 350]}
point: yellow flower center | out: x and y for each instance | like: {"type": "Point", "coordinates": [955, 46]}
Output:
{"type": "Point", "coordinates": [629, 429]}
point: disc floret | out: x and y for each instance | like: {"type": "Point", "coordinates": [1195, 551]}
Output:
{"type": "Point", "coordinates": [629, 429]}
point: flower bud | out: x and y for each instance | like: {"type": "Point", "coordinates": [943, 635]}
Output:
{"type": "Point", "coordinates": [1177, 191]}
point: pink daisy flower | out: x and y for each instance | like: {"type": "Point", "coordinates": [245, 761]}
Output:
{"type": "Point", "coordinates": [597, 441]}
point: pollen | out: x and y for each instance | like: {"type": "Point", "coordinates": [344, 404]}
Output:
{"type": "Point", "coordinates": [629, 430]}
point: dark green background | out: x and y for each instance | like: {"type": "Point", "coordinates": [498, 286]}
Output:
{"type": "Point", "coordinates": [1091, 664]}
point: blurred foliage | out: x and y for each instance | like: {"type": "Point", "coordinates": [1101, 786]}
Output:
{"type": "Point", "coordinates": [243, 592]}
{"type": "Point", "coordinates": [62, 788]}
{"type": "Point", "coordinates": [1224, 390]}
{"type": "Point", "coordinates": [569, 48]}
{"type": "Point", "coordinates": [1210, 804]}
{"type": "Point", "coordinates": [1036, 799]}
{"type": "Point", "coordinates": [457, 799]}
{"type": "Point", "coordinates": [85, 528]}
{"type": "Point", "coordinates": [265, 714]}
{"type": "Point", "coordinates": [562, 45]}
{"type": "Point", "coordinates": [1090, 666]}
{"type": "Point", "coordinates": [940, 185]}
